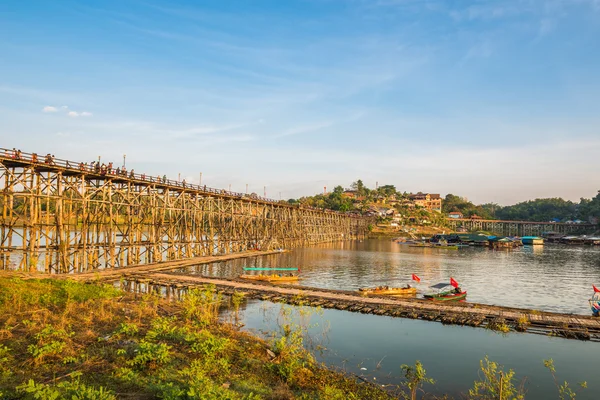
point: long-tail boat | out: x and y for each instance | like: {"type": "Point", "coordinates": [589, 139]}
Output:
{"type": "Point", "coordinates": [446, 291]}
{"type": "Point", "coordinates": [386, 290]}
{"type": "Point", "coordinates": [271, 278]}
{"type": "Point", "coordinates": [595, 302]}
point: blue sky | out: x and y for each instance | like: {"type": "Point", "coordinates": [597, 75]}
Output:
{"type": "Point", "coordinates": [493, 100]}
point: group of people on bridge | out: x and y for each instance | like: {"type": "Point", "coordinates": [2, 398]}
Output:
{"type": "Point", "coordinates": [108, 169]}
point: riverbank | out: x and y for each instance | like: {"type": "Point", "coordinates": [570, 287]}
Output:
{"type": "Point", "coordinates": [61, 338]}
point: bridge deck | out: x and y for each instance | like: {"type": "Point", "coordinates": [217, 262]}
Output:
{"type": "Point", "coordinates": [74, 168]}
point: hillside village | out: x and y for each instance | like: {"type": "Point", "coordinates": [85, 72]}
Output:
{"type": "Point", "coordinates": [394, 209]}
{"type": "Point", "coordinates": [399, 210]}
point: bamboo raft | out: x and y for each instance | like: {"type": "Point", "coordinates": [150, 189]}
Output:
{"type": "Point", "coordinates": [498, 318]}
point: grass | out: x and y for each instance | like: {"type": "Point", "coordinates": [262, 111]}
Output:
{"type": "Point", "coordinates": [67, 340]}
{"type": "Point", "coordinates": [61, 339]}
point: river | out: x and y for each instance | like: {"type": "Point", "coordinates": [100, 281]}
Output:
{"type": "Point", "coordinates": [555, 278]}
{"type": "Point", "coordinates": [552, 277]}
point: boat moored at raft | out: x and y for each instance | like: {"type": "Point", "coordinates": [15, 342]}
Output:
{"type": "Point", "coordinates": [389, 291]}
{"type": "Point", "coordinates": [446, 291]}
{"type": "Point", "coordinates": [595, 302]}
{"type": "Point", "coordinates": [271, 278]}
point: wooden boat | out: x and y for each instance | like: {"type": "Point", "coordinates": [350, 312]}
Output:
{"type": "Point", "coordinates": [447, 296]}
{"type": "Point", "coordinates": [271, 278]}
{"type": "Point", "coordinates": [391, 291]}
{"type": "Point", "coordinates": [595, 302]}
{"type": "Point", "coordinates": [446, 292]}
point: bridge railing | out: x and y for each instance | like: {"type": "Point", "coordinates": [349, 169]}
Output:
{"type": "Point", "coordinates": [118, 173]}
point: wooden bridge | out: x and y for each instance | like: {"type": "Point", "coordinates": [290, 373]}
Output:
{"type": "Point", "coordinates": [61, 216]}
{"type": "Point", "coordinates": [519, 228]}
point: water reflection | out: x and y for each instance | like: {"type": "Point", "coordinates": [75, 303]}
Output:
{"type": "Point", "coordinates": [450, 354]}
{"type": "Point", "coordinates": [552, 278]}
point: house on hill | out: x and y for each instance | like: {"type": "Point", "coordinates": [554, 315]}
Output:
{"type": "Point", "coordinates": [429, 201]}
{"type": "Point", "coordinates": [351, 193]}
{"type": "Point", "coordinates": [456, 215]}
{"type": "Point", "coordinates": [380, 212]}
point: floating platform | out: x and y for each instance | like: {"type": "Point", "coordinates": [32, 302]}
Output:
{"type": "Point", "coordinates": [503, 319]}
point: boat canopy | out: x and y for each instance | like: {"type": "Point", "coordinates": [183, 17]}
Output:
{"type": "Point", "coordinates": [440, 285]}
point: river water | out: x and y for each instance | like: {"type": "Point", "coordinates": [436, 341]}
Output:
{"type": "Point", "coordinates": [555, 278]}
{"type": "Point", "coordinates": [551, 277]}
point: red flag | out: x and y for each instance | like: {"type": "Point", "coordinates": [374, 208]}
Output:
{"type": "Point", "coordinates": [595, 289]}
{"type": "Point", "coordinates": [453, 282]}
{"type": "Point", "coordinates": [416, 278]}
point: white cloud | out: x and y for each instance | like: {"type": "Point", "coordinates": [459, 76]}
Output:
{"type": "Point", "coordinates": [67, 111]}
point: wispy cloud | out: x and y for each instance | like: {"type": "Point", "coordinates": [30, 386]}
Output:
{"type": "Point", "coordinates": [68, 112]}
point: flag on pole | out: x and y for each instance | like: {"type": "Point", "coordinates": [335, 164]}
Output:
{"type": "Point", "coordinates": [416, 278]}
{"type": "Point", "coordinates": [595, 289]}
{"type": "Point", "coordinates": [453, 282]}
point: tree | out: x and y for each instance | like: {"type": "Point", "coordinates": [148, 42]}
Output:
{"type": "Point", "coordinates": [359, 187]}
{"type": "Point", "coordinates": [415, 377]}
{"type": "Point", "coordinates": [455, 203]}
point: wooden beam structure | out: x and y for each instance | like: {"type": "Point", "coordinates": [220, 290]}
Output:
{"type": "Point", "coordinates": [519, 228]}
{"type": "Point", "coordinates": [60, 216]}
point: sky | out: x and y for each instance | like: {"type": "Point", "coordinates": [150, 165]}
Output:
{"type": "Point", "coordinates": [493, 100]}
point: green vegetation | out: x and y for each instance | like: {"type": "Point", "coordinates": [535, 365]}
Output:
{"type": "Point", "coordinates": [537, 210]}
{"type": "Point", "coordinates": [415, 377]}
{"type": "Point", "coordinates": [564, 390]}
{"type": "Point", "coordinates": [455, 203]}
{"type": "Point", "coordinates": [67, 340]}
{"type": "Point", "coordinates": [61, 339]}
{"type": "Point", "coordinates": [496, 384]}
{"type": "Point", "coordinates": [533, 210]}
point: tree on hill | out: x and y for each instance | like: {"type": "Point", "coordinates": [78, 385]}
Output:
{"type": "Point", "coordinates": [539, 210]}
{"type": "Point", "coordinates": [387, 190]}
{"type": "Point", "coordinates": [455, 203]}
{"type": "Point", "coordinates": [589, 208]}
{"type": "Point", "coordinates": [359, 187]}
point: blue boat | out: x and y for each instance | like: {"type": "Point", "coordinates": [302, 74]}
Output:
{"type": "Point", "coordinates": [532, 240]}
